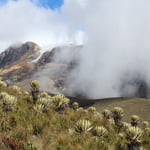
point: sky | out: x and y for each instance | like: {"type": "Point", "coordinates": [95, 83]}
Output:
{"type": "Point", "coordinates": [42, 21]}
{"type": "Point", "coordinates": [52, 4]}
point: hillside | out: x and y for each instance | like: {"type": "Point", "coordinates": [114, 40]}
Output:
{"type": "Point", "coordinates": [25, 62]}
{"type": "Point", "coordinates": [38, 121]}
{"type": "Point", "coordinates": [34, 120]}
{"type": "Point", "coordinates": [138, 106]}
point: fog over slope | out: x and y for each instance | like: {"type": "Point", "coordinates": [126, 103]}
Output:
{"type": "Point", "coordinates": [116, 54]}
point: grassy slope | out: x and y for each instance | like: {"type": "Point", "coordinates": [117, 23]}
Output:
{"type": "Point", "coordinates": [55, 130]}
{"type": "Point", "coordinates": [138, 106]}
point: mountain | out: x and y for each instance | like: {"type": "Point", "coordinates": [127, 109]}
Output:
{"type": "Point", "coordinates": [22, 63]}
{"type": "Point", "coordinates": [55, 122]}
{"type": "Point", "coordinates": [16, 61]}
{"type": "Point", "coordinates": [16, 54]}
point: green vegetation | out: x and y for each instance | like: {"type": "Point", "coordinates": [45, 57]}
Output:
{"type": "Point", "coordinates": [35, 87]}
{"type": "Point", "coordinates": [117, 115]}
{"type": "Point", "coordinates": [38, 121]}
{"type": "Point", "coordinates": [135, 120]}
{"type": "Point", "coordinates": [83, 126]}
{"type": "Point", "coordinates": [75, 106]}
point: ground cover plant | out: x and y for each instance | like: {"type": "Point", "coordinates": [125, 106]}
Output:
{"type": "Point", "coordinates": [38, 121]}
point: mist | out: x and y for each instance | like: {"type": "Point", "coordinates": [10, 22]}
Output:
{"type": "Point", "coordinates": [117, 49]}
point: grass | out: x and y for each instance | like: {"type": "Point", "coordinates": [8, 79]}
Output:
{"type": "Point", "coordinates": [137, 106]}
{"type": "Point", "coordinates": [25, 129]}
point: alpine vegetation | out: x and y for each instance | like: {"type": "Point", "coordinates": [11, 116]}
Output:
{"type": "Point", "coordinates": [133, 136]}
{"type": "Point", "coordinates": [2, 84]}
{"type": "Point", "coordinates": [45, 122]}
{"type": "Point", "coordinates": [60, 102]}
{"type": "Point", "coordinates": [99, 131]}
{"type": "Point", "coordinates": [83, 126]}
{"type": "Point", "coordinates": [117, 114]}
{"type": "Point", "coordinates": [135, 120]}
{"type": "Point", "coordinates": [9, 102]}
{"type": "Point", "coordinates": [35, 87]}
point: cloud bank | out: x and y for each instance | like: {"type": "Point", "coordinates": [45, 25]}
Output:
{"type": "Point", "coordinates": [23, 20]}
{"type": "Point", "coordinates": [117, 52]}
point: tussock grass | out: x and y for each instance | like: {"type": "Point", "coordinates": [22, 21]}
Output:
{"type": "Point", "coordinates": [66, 128]}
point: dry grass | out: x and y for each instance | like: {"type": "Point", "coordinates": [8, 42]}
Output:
{"type": "Point", "coordinates": [138, 106]}
{"type": "Point", "coordinates": [25, 129]}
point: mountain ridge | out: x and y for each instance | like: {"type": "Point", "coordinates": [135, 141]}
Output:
{"type": "Point", "coordinates": [19, 67]}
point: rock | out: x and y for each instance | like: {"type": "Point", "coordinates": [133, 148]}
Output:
{"type": "Point", "coordinates": [25, 52]}
{"type": "Point", "coordinates": [51, 69]}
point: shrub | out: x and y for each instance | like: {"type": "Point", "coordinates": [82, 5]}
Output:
{"type": "Point", "coordinates": [46, 103]}
{"type": "Point", "coordinates": [134, 120]}
{"type": "Point", "coordinates": [39, 108]}
{"type": "Point", "coordinates": [2, 84]}
{"type": "Point", "coordinates": [60, 102]}
{"type": "Point", "coordinates": [2, 95]}
{"type": "Point", "coordinates": [16, 89]}
{"type": "Point", "coordinates": [99, 131]}
{"type": "Point", "coordinates": [9, 102]}
{"type": "Point", "coordinates": [117, 113]}
{"type": "Point", "coordinates": [92, 110]}
{"type": "Point", "coordinates": [83, 126]}
{"type": "Point", "coordinates": [145, 124]}
{"type": "Point", "coordinates": [35, 87]}
{"type": "Point", "coordinates": [43, 95]}
{"type": "Point", "coordinates": [75, 105]}
{"type": "Point", "coordinates": [133, 136]}
{"type": "Point", "coordinates": [106, 114]}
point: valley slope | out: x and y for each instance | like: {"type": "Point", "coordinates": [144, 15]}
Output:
{"type": "Point", "coordinates": [21, 64]}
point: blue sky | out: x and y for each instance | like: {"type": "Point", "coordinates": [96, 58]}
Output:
{"type": "Point", "coordinates": [50, 3]}
{"type": "Point", "coordinates": [53, 4]}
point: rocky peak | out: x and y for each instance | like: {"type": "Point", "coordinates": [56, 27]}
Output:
{"type": "Point", "coordinates": [25, 52]}
{"type": "Point", "coordinates": [19, 66]}
{"type": "Point", "coordinates": [61, 55]}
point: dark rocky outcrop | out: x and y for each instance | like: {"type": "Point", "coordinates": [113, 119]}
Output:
{"type": "Point", "coordinates": [24, 52]}
{"type": "Point", "coordinates": [70, 55]}
{"type": "Point", "coordinates": [47, 57]}
{"type": "Point", "coordinates": [21, 64]}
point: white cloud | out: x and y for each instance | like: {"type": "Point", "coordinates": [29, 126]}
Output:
{"type": "Point", "coordinates": [24, 21]}
{"type": "Point", "coordinates": [118, 44]}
